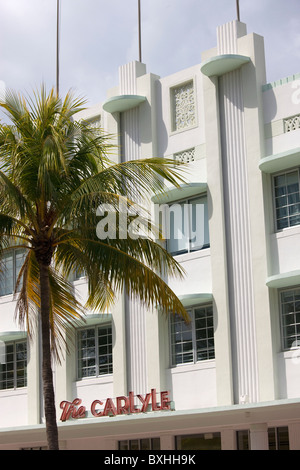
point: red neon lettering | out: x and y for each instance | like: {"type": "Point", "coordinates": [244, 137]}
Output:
{"type": "Point", "coordinates": [93, 408]}
{"type": "Point", "coordinates": [109, 407]}
{"type": "Point", "coordinates": [123, 408]}
{"type": "Point", "coordinates": [124, 405]}
{"type": "Point", "coordinates": [165, 401]}
{"type": "Point", "coordinates": [155, 406]}
{"type": "Point", "coordinates": [145, 401]}
{"type": "Point", "coordinates": [70, 409]}
{"type": "Point", "coordinates": [132, 407]}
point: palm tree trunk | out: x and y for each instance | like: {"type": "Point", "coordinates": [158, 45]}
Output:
{"type": "Point", "coordinates": [48, 389]}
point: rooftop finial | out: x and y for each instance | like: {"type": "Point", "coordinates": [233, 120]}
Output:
{"type": "Point", "coordinates": [238, 9]}
{"type": "Point", "coordinates": [57, 46]}
{"type": "Point", "coordinates": [140, 40]}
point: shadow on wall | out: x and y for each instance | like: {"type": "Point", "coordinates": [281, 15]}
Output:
{"type": "Point", "coordinates": [162, 134]}
{"type": "Point", "coordinates": [269, 113]}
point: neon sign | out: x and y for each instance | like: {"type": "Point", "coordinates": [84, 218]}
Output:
{"type": "Point", "coordinates": [121, 405]}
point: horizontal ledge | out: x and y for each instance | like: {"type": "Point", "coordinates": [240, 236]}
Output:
{"type": "Point", "coordinates": [95, 318]}
{"type": "Point", "coordinates": [221, 64]}
{"type": "Point", "coordinates": [12, 335]}
{"type": "Point", "coordinates": [195, 299]}
{"type": "Point", "coordinates": [118, 104]}
{"type": "Point", "coordinates": [284, 279]}
{"type": "Point", "coordinates": [281, 161]}
{"type": "Point", "coordinates": [182, 192]}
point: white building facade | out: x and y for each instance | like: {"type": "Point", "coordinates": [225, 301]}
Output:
{"type": "Point", "coordinates": [230, 379]}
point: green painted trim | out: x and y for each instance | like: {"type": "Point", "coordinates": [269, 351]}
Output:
{"type": "Point", "coordinates": [195, 299]}
{"type": "Point", "coordinates": [97, 318]}
{"type": "Point", "coordinates": [182, 192]}
{"type": "Point", "coordinates": [284, 280]}
{"type": "Point", "coordinates": [221, 64]}
{"type": "Point", "coordinates": [281, 161]}
{"type": "Point", "coordinates": [118, 104]}
{"type": "Point", "coordinates": [282, 81]}
{"type": "Point", "coordinates": [12, 335]}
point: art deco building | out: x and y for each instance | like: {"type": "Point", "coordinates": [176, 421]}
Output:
{"type": "Point", "coordinates": [231, 378]}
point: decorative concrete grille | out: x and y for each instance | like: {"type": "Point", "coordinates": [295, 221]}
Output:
{"type": "Point", "coordinates": [95, 122]}
{"type": "Point", "coordinates": [186, 156]}
{"type": "Point", "coordinates": [292, 123]}
{"type": "Point", "coordinates": [183, 106]}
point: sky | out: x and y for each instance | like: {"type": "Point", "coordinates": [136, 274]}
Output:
{"type": "Point", "coordinates": [98, 36]}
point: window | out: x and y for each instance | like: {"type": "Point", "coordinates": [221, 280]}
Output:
{"type": "Point", "coordinates": [13, 369]}
{"type": "Point", "coordinates": [183, 106]}
{"type": "Point", "coordinates": [243, 440]}
{"type": "Point", "coordinates": [187, 228]}
{"type": "Point", "coordinates": [93, 122]}
{"type": "Point", "coordinates": [193, 342]}
{"type": "Point", "coordinates": [278, 439]}
{"type": "Point", "coordinates": [95, 351]}
{"type": "Point", "coordinates": [290, 317]}
{"type": "Point", "coordinates": [78, 274]}
{"type": "Point", "coordinates": [140, 444]}
{"type": "Point", "coordinates": [11, 264]}
{"type": "Point", "coordinates": [287, 199]}
{"type": "Point", "coordinates": [207, 441]}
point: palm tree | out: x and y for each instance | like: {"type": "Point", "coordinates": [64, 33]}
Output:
{"type": "Point", "coordinates": [55, 172]}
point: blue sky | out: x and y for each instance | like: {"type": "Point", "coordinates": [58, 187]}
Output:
{"type": "Point", "coordinates": [98, 36]}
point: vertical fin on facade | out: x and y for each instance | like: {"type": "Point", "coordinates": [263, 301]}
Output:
{"type": "Point", "coordinates": [227, 36]}
{"type": "Point", "coordinates": [128, 75]}
{"type": "Point", "coordinates": [236, 199]}
{"type": "Point", "coordinates": [135, 313]}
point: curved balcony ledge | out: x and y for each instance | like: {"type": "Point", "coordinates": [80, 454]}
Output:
{"type": "Point", "coordinates": [12, 335]}
{"type": "Point", "coordinates": [284, 280]}
{"type": "Point", "coordinates": [188, 300]}
{"type": "Point", "coordinates": [221, 64]}
{"type": "Point", "coordinates": [281, 161]}
{"type": "Point", "coordinates": [118, 104]}
{"type": "Point", "coordinates": [96, 318]}
{"type": "Point", "coordinates": [182, 192]}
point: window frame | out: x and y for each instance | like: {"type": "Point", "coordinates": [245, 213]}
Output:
{"type": "Point", "coordinates": [15, 272]}
{"type": "Point", "coordinates": [275, 175]}
{"type": "Point", "coordinates": [79, 360]}
{"type": "Point", "coordinates": [78, 275]}
{"type": "Point", "coordinates": [284, 337]}
{"type": "Point", "coordinates": [214, 437]}
{"type": "Point", "coordinates": [131, 444]}
{"type": "Point", "coordinates": [209, 351]}
{"type": "Point", "coordinates": [15, 370]}
{"type": "Point", "coordinates": [276, 438]}
{"type": "Point", "coordinates": [189, 223]}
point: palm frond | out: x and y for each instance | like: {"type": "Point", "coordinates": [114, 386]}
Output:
{"type": "Point", "coordinates": [135, 179]}
{"type": "Point", "coordinates": [66, 313]}
{"type": "Point", "coordinates": [12, 199]}
{"type": "Point", "coordinates": [28, 298]}
{"type": "Point", "coordinates": [55, 172]}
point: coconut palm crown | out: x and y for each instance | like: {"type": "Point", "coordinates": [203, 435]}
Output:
{"type": "Point", "coordinates": [55, 172]}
